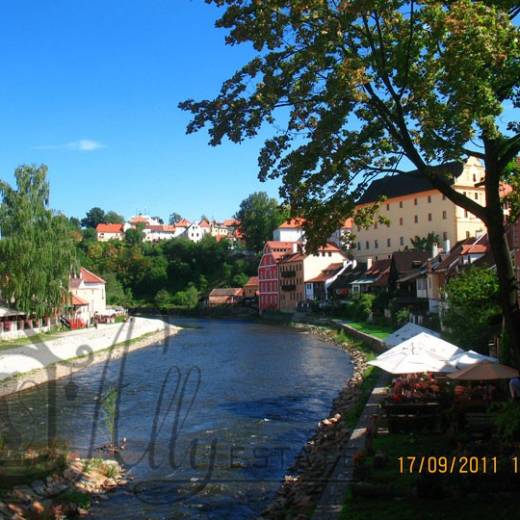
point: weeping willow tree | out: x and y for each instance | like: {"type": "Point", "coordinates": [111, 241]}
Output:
{"type": "Point", "coordinates": [37, 251]}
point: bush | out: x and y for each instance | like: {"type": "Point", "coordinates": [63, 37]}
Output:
{"type": "Point", "coordinates": [364, 306]}
{"type": "Point", "coordinates": [473, 315]}
{"type": "Point", "coordinates": [163, 300]}
{"type": "Point", "coordinates": [402, 316]}
{"type": "Point", "coordinates": [188, 298]}
{"type": "Point", "coordinates": [508, 420]}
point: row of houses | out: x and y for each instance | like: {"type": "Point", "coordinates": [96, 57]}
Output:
{"type": "Point", "coordinates": [155, 231]}
{"type": "Point", "coordinates": [382, 257]}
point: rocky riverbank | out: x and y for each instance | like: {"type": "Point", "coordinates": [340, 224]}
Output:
{"type": "Point", "coordinates": [307, 478]}
{"type": "Point", "coordinates": [67, 493]}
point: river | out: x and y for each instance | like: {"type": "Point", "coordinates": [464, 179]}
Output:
{"type": "Point", "coordinates": [212, 419]}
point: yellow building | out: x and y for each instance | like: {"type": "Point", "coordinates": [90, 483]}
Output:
{"type": "Point", "coordinates": [297, 272]}
{"type": "Point", "coordinates": [415, 208]}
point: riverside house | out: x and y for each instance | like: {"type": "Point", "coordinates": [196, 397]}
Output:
{"type": "Point", "coordinates": [88, 295]}
{"type": "Point", "coordinates": [225, 296]}
{"type": "Point", "coordinates": [415, 208]}
{"type": "Point", "coordinates": [268, 279]}
{"type": "Point", "coordinates": [300, 274]}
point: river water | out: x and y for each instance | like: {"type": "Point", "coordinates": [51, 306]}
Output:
{"type": "Point", "coordinates": [212, 419]}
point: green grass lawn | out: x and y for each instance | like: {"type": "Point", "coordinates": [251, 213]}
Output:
{"type": "Point", "coordinates": [379, 331]}
{"type": "Point", "coordinates": [407, 506]}
{"type": "Point", "coordinates": [370, 376]}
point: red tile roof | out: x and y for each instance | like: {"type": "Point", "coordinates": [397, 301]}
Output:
{"type": "Point", "coordinates": [164, 228]}
{"type": "Point", "coordinates": [296, 222]}
{"type": "Point", "coordinates": [77, 301]}
{"type": "Point", "coordinates": [252, 282]}
{"type": "Point", "coordinates": [183, 223]}
{"type": "Point", "coordinates": [109, 228]}
{"type": "Point", "coordinates": [89, 277]}
{"type": "Point", "coordinates": [226, 291]}
{"type": "Point", "coordinates": [204, 223]}
{"type": "Point", "coordinates": [348, 224]}
{"type": "Point", "coordinates": [275, 244]}
{"type": "Point", "coordinates": [231, 222]}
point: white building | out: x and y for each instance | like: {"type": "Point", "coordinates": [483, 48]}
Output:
{"type": "Point", "coordinates": [88, 295]}
{"type": "Point", "coordinates": [290, 231]}
{"type": "Point", "coordinates": [160, 232]}
{"type": "Point", "coordinates": [106, 232]}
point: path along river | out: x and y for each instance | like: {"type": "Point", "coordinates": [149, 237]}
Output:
{"type": "Point", "coordinates": [212, 419]}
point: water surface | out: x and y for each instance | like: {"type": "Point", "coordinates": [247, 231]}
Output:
{"type": "Point", "coordinates": [212, 419]}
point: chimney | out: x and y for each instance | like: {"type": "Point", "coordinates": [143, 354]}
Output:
{"type": "Point", "coordinates": [435, 250]}
{"type": "Point", "coordinates": [447, 246]}
{"type": "Point", "coordinates": [369, 262]}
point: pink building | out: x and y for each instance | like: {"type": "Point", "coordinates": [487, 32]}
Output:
{"type": "Point", "coordinates": [268, 294]}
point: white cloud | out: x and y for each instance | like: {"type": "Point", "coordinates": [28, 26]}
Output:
{"type": "Point", "coordinates": [83, 145]}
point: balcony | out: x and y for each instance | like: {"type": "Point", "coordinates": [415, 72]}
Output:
{"type": "Point", "coordinates": [288, 287]}
{"type": "Point", "coordinates": [288, 274]}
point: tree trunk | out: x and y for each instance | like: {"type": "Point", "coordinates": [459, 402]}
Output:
{"type": "Point", "coordinates": [507, 280]}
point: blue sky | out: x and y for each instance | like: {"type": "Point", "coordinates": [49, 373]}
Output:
{"type": "Point", "coordinates": [91, 87]}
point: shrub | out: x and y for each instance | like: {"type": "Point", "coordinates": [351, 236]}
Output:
{"type": "Point", "coordinates": [508, 420]}
{"type": "Point", "coordinates": [163, 299]}
{"type": "Point", "coordinates": [364, 306]}
{"type": "Point", "coordinates": [188, 298]}
{"type": "Point", "coordinates": [402, 316]}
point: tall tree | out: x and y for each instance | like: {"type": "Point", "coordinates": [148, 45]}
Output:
{"type": "Point", "coordinates": [425, 243]}
{"type": "Point", "coordinates": [259, 216]}
{"type": "Point", "coordinates": [174, 218]}
{"type": "Point", "coordinates": [37, 251]}
{"type": "Point", "coordinates": [93, 217]}
{"type": "Point", "coordinates": [363, 85]}
{"type": "Point", "coordinates": [111, 217]}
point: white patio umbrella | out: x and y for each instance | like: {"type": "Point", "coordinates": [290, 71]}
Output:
{"type": "Point", "coordinates": [470, 358]}
{"type": "Point", "coordinates": [406, 332]}
{"type": "Point", "coordinates": [425, 343]}
{"type": "Point", "coordinates": [408, 363]}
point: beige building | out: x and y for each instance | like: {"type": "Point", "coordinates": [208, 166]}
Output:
{"type": "Point", "coordinates": [298, 268]}
{"type": "Point", "coordinates": [88, 295]}
{"type": "Point", "coordinates": [415, 208]}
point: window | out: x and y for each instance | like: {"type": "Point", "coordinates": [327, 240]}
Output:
{"type": "Point", "coordinates": [415, 202]}
{"type": "Point", "coordinates": [388, 207]}
{"type": "Point", "coordinates": [467, 234]}
{"type": "Point", "coordinates": [474, 177]}
{"type": "Point", "coordinates": [376, 244]}
{"type": "Point", "coordinates": [367, 245]}
{"type": "Point", "coordinates": [416, 219]}
{"type": "Point", "coordinates": [389, 242]}
{"type": "Point", "coordinates": [401, 221]}
{"type": "Point", "coordinates": [429, 217]}
{"type": "Point", "coordinates": [401, 241]}
{"type": "Point", "coordinates": [444, 215]}
{"type": "Point", "coordinates": [476, 195]}
{"type": "Point", "coordinates": [444, 197]}
{"type": "Point", "coordinates": [445, 235]}
{"type": "Point", "coordinates": [400, 203]}
{"type": "Point", "coordinates": [429, 198]}
{"type": "Point", "coordinates": [465, 213]}
{"type": "Point", "coordinates": [359, 246]}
